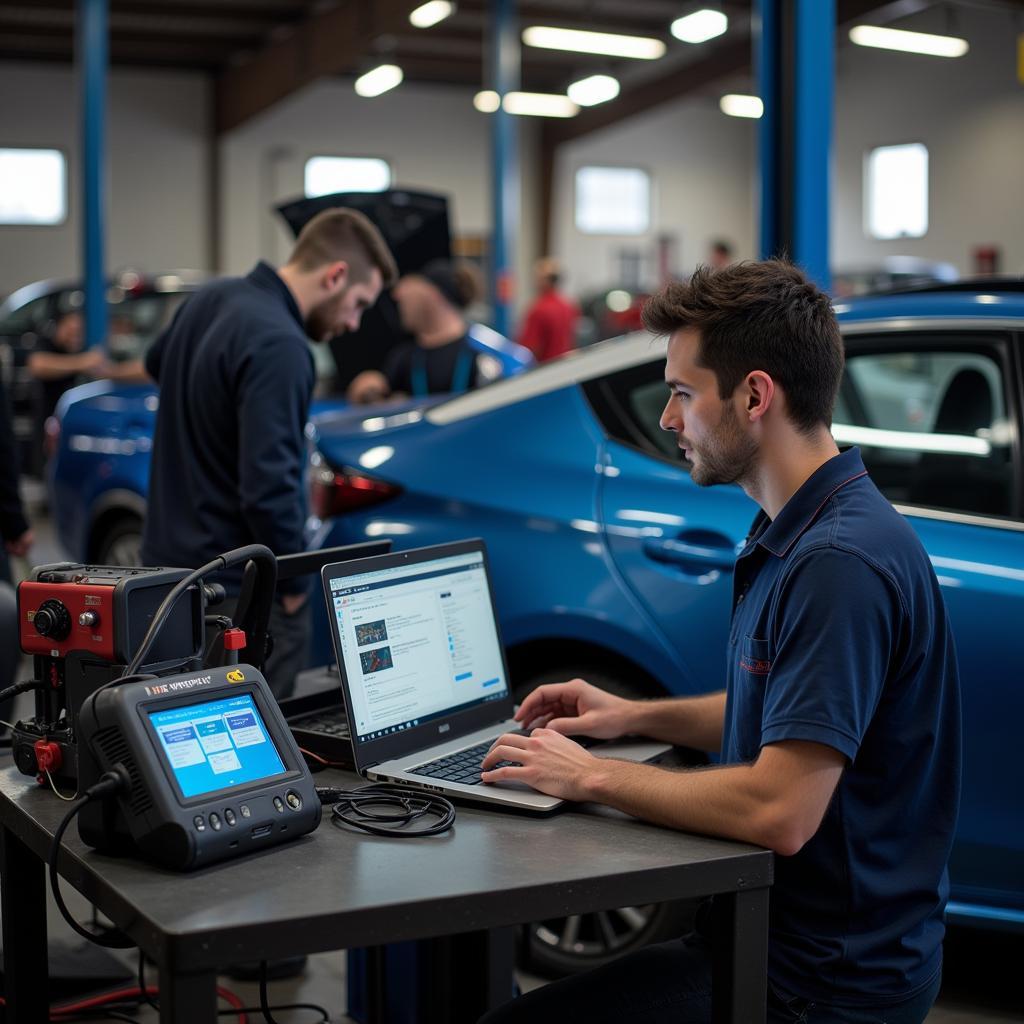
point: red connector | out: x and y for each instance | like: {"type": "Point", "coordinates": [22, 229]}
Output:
{"type": "Point", "coordinates": [234, 639]}
{"type": "Point", "coordinates": [48, 755]}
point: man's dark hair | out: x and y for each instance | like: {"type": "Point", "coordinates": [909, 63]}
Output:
{"type": "Point", "coordinates": [343, 234]}
{"type": "Point", "coordinates": [759, 316]}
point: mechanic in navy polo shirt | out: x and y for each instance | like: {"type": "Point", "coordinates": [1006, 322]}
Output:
{"type": "Point", "coordinates": [236, 377]}
{"type": "Point", "coordinates": [839, 727]}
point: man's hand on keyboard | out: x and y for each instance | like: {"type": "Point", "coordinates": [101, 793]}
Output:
{"type": "Point", "coordinates": [545, 759]}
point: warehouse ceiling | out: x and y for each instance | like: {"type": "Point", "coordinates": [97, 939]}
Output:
{"type": "Point", "coordinates": [261, 51]}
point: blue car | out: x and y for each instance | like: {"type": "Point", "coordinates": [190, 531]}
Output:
{"type": "Point", "coordinates": [103, 433]}
{"type": "Point", "coordinates": [610, 563]}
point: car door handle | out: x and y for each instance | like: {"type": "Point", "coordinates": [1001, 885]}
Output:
{"type": "Point", "coordinates": [689, 554]}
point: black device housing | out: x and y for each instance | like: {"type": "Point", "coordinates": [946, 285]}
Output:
{"type": "Point", "coordinates": [153, 818]}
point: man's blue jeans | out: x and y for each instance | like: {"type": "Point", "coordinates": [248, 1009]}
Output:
{"type": "Point", "coordinates": [670, 983]}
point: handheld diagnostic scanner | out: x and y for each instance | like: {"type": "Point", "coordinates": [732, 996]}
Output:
{"type": "Point", "coordinates": [214, 771]}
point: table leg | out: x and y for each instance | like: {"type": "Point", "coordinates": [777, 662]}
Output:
{"type": "Point", "coordinates": [23, 901]}
{"type": "Point", "coordinates": [187, 997]}
{"type": "Point", "coordinates": [740, 973]}
{"type": "Point", "coordinates": [464, 976]}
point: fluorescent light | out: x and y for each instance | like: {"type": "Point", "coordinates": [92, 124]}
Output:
{"type": "Point", "coordinates": [911, 441]}
{"type": "Point", "coordinates": [380, 79]}
{"type": "Point", "coordinates": [736, 105]}
{"type": "Point", "coordinates": [431, 13]}
{"type": "Point", "coordinates": [700, 26]}
{"type": "Point", "coordinates": [487, 102]}
{"type": "Point", "coordinates": [539, 104]}
{"type": "Point", "coordinates": [529, 104]}
{"type": "Point", "coordinates": [604, 43]}
{"type": "Point", "coordinates": [596, 89]}
{"type": "Point", "coordinates": [909, 42]}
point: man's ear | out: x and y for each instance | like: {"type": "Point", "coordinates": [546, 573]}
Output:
{"type": "Point", "coordinates": [760, 393]}
{"type": "Point", "coordinates": [335, 276]}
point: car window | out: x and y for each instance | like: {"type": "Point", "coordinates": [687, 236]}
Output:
{"type": "Point", "coordinates": [629, 404]}
{"type": "Point", "coordinates": [932, 425]}
{"type": "Point", "coordinates": [136, 320]}
{"type": "Point", "coordinates": [30, 317]}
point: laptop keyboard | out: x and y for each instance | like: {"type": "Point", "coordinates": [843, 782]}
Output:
{"type": "Point", "coordinates": [462, 766]}
{"type": "Point", "coordinates": [331, 723]}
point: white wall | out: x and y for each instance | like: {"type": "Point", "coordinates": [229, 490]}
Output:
{"type": "Point", "coordinates": [968, 111]}
{"type": "Point", "coordinates": [158, 169]}
{"type": "Point", "coordinates": [701, 166]}
{"type": "Point", "coordinates": [431, 136]}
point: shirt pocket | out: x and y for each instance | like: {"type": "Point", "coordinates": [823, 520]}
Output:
{"type": "Point", "coordinates": [755, 658]}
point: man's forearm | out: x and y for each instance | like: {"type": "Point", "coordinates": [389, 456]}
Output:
{"type": "Point", "coordinates": [684, 721]}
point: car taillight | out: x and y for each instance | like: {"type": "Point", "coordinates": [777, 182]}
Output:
{"type": "Point", "coordinates": [333, 492]}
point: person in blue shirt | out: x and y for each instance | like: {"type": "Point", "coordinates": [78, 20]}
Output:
{"type": "Point", "coordinates": [236, 377]}
{"type": "Point", "coordinates": [839, 727]}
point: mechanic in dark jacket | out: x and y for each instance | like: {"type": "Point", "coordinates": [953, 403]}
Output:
{"type": "Point", "coordinates": [236, 378]}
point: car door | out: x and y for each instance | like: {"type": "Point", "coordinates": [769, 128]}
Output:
{"type": "Point", "coordinates": [673, 543]}
{"type": "Point", "coordinates": [936, 414]}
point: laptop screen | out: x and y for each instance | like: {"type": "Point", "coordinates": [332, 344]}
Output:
{"type": "Point", "coordinates": [418, 641]}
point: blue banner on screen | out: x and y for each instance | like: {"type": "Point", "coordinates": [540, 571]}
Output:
{"type": "Point", "coordinates": [217, 744]}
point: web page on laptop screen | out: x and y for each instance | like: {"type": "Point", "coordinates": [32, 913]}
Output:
{"type": "Point", "coordinates": [418, 642]}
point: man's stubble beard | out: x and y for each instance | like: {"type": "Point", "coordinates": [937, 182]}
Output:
{"type": "Point", "coordinates": [730, 457]}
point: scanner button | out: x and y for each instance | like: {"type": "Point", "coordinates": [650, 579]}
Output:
{"type": "Point", "coordinates": [278, 803]}
{"type": "Point", "coordinates": [244, 808]}
{"type": "Point", "coordinates": [229, 816]}
{"type": "Point", "coordinates": [294, 800]}
{"type": "Point", "coordinates": [199, 823]}
{"type": "Point", "coordinates": [215, 821]}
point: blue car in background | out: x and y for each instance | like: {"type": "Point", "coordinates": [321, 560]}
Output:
{"type": "Point", "coordinates": [103, 433]}
{"type": "Point", "coordinates": [610, 563]}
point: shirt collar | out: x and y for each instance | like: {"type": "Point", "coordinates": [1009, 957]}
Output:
{"type": "Point", "coordinates": [779, 535]}
{"type": "Point", "coordinates": [264, 276]}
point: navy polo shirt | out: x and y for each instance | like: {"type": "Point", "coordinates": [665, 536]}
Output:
{"type": "Point", "coordinates": [840, 636]}
{"type": "Point", "coordinates": [236, 378]}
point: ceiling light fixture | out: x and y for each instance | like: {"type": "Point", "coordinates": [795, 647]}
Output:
{"type": "Point", "coordinates": [606, 44]}
{"type": "Point", "coordinates": [908, 42]}
{"type": "Point", "coordinates": [700, 26]}
{"type": "Point", "coordinates": [588, 92]}
{"type": "Point", "coordinates": [528, 104]}
{"type": "Point", "coordinates": [736, 105]}
{"type": "Point", "coordinates": [431, 13]}
{"type": "Point", "coordinates": [379, 80]}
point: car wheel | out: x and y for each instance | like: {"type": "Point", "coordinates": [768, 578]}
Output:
{"type": "Point", "coordinates": [122, 543]}
{"type": "Point", "coordinates": [570, 945]}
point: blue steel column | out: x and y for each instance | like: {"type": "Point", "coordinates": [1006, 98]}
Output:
{"type": "Point", "coordinates": [504, 162]}
{"type": "Point", "coordinates": [795, 55]}
{"type": "Point", "coordinates": [93, 44]}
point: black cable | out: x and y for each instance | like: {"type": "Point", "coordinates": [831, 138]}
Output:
{"type": "Point", "coordinates": [16, 688]}
{"type": "Point", "coordinates": [235, 1011]}
{"type": "Point", "coordinates": [142, 983]}
{"type": "Point", "coordinates": [384, 809]}
{"type": "Point", "coordinates": [109, 784]}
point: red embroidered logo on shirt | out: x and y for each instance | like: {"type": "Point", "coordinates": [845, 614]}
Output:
{"type": "Point", "coordinates": [756, 666]}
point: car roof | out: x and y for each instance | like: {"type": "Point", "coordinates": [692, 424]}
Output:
{"type": "Point", "coordinates": [1000, 303]}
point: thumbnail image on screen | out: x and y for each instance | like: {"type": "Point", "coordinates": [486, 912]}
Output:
{"type": "Point", "coordinates": [371, 633]}
{"type": "Point", "coordinates": [216, 744]}
{"type": "Point", "coordinates": [376, 660]}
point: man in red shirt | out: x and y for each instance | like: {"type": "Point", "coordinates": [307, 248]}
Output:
{"type": "Point", "coordinates": [550, 326]}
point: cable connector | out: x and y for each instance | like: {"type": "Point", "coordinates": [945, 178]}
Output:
{"type": "Point", "coordinates": [110, 783]}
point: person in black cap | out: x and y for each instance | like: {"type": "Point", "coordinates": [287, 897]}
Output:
{"type": "Point", "coordinates": [440, 359]}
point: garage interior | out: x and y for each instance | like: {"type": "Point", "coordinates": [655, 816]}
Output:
{"type": "Point", "coordinates": [176, 132]}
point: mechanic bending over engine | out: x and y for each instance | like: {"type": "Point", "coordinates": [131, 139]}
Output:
{"type": "Point", "coordinates": [839, 726]}
{"type": "Point", "coordinates": [236, 378]}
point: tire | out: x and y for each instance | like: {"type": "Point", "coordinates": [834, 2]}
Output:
{"type": "Point", "coordinates": [121, 544]}
{"type": "Point", "coordinates": [558, 947]}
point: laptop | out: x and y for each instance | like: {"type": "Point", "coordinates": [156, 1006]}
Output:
{"type": "Point", "coordinates": [424, 676]}
{"type": "Point", "coordinates": [315, 712]}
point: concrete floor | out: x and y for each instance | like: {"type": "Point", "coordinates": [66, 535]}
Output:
{"type": "Point", "coordinates": [981, 982]}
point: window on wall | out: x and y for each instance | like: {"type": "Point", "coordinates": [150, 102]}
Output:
{"type": "Point", "coordinates": [896, 203]}
{"type": "Point", "coordinates": [613, 200]}
{"type": "Point", "coordinates": [33, 186]}
{"type": "Point", "coordinates": [327, 174]}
